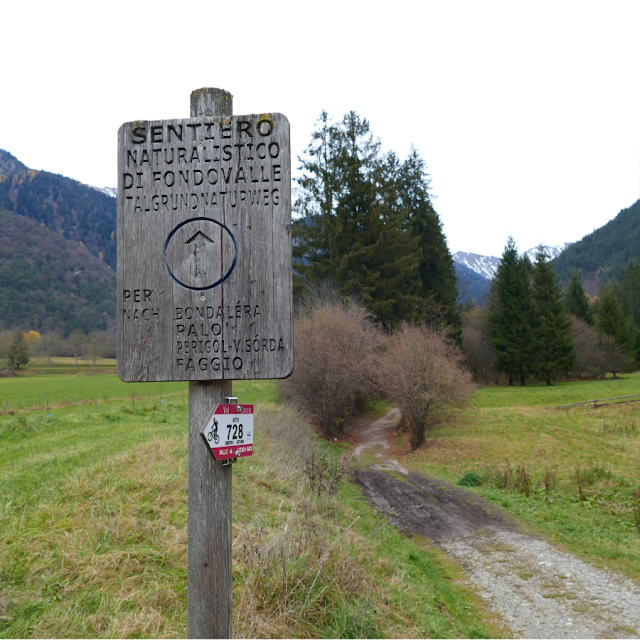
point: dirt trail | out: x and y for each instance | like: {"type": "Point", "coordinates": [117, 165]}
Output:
{"type": "Point", "coordinates": [540, 592]}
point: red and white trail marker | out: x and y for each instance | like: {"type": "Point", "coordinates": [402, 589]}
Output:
{"type": "Point", "coordinates": [228, 431]}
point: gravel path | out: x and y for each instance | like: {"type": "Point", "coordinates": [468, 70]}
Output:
{"type": "Point", "coordinates": [540, 592]}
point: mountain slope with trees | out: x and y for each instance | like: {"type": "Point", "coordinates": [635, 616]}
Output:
{"type": "Point", "coordinates": [50, 283]}
{"type": "Point", "coordinates": [472, 287]}
{"type": "Point", "coordinates": [601, 256]}
{"type": "Point", "coordinates": [77, 211]}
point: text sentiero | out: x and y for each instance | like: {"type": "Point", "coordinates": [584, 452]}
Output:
{"type": "Point", "coordinates": [228, 431]}
{"type": "Point", "coordinates": [206, 162]}
{"type": "Point", "coordinates": [204, 249]}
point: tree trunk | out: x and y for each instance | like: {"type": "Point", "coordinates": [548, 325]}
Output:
{"type": "Point", "coordinates": [511, 380]}
{"type": "Point", "coordinates": [522, 382]}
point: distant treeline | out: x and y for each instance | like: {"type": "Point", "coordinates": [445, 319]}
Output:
{"type": "Point", "coordinates": [529, 329]}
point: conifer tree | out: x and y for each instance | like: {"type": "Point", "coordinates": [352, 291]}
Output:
{"type": "Point", "coordinates": [18, 353]}
{"type": "Point", "coordinates": [315, 231]}
{"type": "Point", "coordinates": [555, 353]}
{"type": "Point", "coordinates": [627, 290]}
{"type": "Point", "coordinates": [510, 321]}
{"type": "Point", "coordinates": [437, 281]}
{"type": "Point", "coordinates": [367, 224]}
{"type": "Point", "coordinates": [613, 322]}
{"type": "Point", "coordinates": [577, 301]}
{"type": "Point", "coordinates": [380, 264]}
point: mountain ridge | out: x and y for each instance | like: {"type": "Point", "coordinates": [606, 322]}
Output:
{"type": "Point", "coordinates": [486, 266]}
{"type": "Point", "coordinates": [601, 256]}
{"type": "Point", "coordinates": [79, 212]}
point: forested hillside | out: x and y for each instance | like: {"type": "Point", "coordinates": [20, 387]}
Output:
{"type": "Point", "coordinates": [601, 256]}
{"type": "Point", "coordinates": [471, 286]}
{"type": "Point", "coordinates": [74, 210]}
{"type": "Point", "coordinates": [48, 282]}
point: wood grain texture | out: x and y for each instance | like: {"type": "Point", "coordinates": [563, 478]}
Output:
{"type": "Point", "coordinates": [209, 582]}
{"type": "Point", "coordinates": [204, 247]}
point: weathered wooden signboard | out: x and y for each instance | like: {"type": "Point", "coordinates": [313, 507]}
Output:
{"type": "Point", "coordinates": [204, 249]}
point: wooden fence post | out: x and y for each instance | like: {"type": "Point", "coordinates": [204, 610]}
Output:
{"type": "Point", "coordinates": [209, 584]}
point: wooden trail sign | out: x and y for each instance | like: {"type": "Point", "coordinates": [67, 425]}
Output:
{"type": "Point", "coordinates": [204, 249]}
{"type": "Point", "coordinates": [205, 294]}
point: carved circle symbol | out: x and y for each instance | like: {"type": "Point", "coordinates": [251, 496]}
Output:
{"type": "Point", "coordinates": [200, 253]}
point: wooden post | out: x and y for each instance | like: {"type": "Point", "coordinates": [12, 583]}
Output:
{"type": "Point", "coordinates": [209, 583]}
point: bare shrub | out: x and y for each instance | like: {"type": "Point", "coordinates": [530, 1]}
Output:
{"type": "Point", "coordinates": [597, 354]}
{"type": "Point", "coordinates": [422, 370]}
{"type": "Point", "coordinates": [335, 344]}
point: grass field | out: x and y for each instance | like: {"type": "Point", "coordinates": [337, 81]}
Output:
{"type": "Point", "coordinates": [93, 528]}
{"type": "Point", "coordinates": [570, 474]}
{"type": "Point", "coordinates": [32, 389]}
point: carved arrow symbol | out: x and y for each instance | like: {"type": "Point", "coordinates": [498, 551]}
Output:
{"type": "Point", "coordinates": [197, 243]}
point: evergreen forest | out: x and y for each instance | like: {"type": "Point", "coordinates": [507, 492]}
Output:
{"type": "Point", "coordinates": [366, 224]}
{"type": "Point", "coordinates": [602, 256]}
{"type": "Point", "coordinates": [74, 210]}
{"type": "Point", "coordinates": [51, 283]}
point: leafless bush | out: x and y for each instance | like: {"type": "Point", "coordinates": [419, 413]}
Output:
{"type": "Point", "coordinates": [324, 475]}
{"type": "Point", "coordinates": [335, 344]}
{"type": "Point", "coordinates": [423, 372]}
{"type": "Point", "coordinates": [597, 354]}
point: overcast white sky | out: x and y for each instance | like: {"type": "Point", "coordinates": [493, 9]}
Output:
{"type": "Point", "coordinates": [527, 113]}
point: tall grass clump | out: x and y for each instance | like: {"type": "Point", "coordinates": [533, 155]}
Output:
{"type": "Point", "coordinates": [335, 343]}
{"type": "Point", "coordinates": [423, 371]}
{"type": "Point", "coordinates": [298, 559]}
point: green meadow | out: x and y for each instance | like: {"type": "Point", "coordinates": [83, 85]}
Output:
{"type": "Point", "coordinates": [93, 526]}
{"type": "Point", "coordinates": [61, 384]}
{"type": "Point", "coordinates": [572, 474]}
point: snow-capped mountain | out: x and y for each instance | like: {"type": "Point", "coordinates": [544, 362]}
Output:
{"type": "Point", "coordinates": [110, 191]}
{"type": "Point", "coordinates": [486, 266]}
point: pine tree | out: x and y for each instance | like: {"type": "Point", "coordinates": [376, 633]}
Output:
{"type": "Point", "coordinates": [315, 231]}
{"type": "Point", "coordinates": [437, 281]}
{"type": "Point", "coordinates": [577, 301]}
{"type": "Point", "coordinates": [627, 290]}
{"type": "Point", "coordinates": [510, 321]}
{"type": "Point", "coordinates": [380, 265]}
{"type": "Point", "coordinates": [555, 352]}
{"type": "Point", "coordinates": [18, 353]}
{"type": "Point", "coordinates": [612, 321]}
{"type": "Point", "coordinates": [352, 229]}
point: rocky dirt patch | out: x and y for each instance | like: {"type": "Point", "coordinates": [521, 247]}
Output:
{"type": "Point", "coordinates": [540, 591]}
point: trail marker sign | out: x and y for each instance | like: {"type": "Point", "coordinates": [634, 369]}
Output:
{"type": "Point", "coordinates": [204, 249]}
{"type": "Point", "coordinates": [228, 431]}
